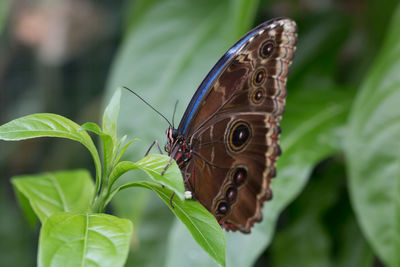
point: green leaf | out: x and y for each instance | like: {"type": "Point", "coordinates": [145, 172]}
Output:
{"type": "Point", "coordinates": [30, 214]}
{"type": "Point", "coordinates": [373, 151]}
{"type": "Point", "coordinates": [153, 165]}
{"type": "Point", "coordinates": [110, 115]}
{"type": "Point", "coordinates": [50, 125]}
{"type": "Point", "coordinates": [318, 49]}
{"type": "Point", "coordinates": [179, 43]}
{"type": "Point", "coordinates": [92, 127]}
{"type": "Point", "coordinates": [201, 224]}
{"type": "Point", "coordinates": [123, 149]}
{"type": "Point", "coordinates": [73, 239]}
{"type": "Point", "coordinates": [243, 13]}
{"type": "Point", "coordinates": [108, 145]}
{"type": "Point", "coordinates": [335, 240]}
{"type": "Point", "coordinates": [48, 193]}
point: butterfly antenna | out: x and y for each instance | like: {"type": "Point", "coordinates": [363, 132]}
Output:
{"type": "Point", "coordinates": [144, 101]}
{"type": "Point", "coordinates": [173, 114]}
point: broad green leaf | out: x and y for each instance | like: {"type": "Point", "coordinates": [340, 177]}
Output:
{"type": "Point", "coordinates": [135, 11]}
{"type": "Point", "coordinates": [26, 206]}
{"type": "Point", "coordinates": [373, 151]}
{"type": "Point", "coordinates": [320, 40]}
{"type": "Point", "coordinates": [335, 240]}
{"type": "Point", "coordinates": [379, 18]}
{"type": "Point", "coordinates": [165, 58]}
{"type": "Point", "coordinates": [243, 13]}
{"type": "Point", "coordinates": [201, 224]}
{"type": "Point", "coordinates": [154, 165]}
{"type": "Point", "coordinates": [48, 193]}
{"type": "Point", "coordinates": [110, 116]}
{"type": "Point", "coordinates": [152, 252]}
{"type": "Point", "coordinates": [75, 239]}
{"type": "Point", "coordinates": [312, 128]}
{"type": "Point", "coordinates": [50, 125]}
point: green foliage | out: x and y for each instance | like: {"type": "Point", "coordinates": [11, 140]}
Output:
{"type": "Point", "coordinates": [153, 165]}
{"type": "Point", "coordinates": [308, 137]}
{"type": "Point", "coordinates": [75, 239]}
{"type": "Point", "coordinates": [312, 222]}
{"type": "Point", "coordinates": [48, 193]}
{"type": "Point", "coordinates": [373, 151]}
{"type": "Point", "coordinates": [320, 214]}
{"type": "Point", "coordinates": [179, 46]}
{"type": "Point", "coordinates": [75, 232]}
{"type": "Point", "coordinates": [168, 50]}
{"type": "Point", "coordinates": [202, 225]}
{"type": "Point", "coordinates": [50, 125]}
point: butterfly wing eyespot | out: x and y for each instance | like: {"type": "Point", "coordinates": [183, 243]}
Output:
{"type": "Point", "coordinates": [239, 176]}
{"type": "Point", "coordinates": [267, 48]}
{"type": "Point", "coordinates": [230, 151]}
{"type": "Point", "coordinates": [239, 135]}
{"type": "Point", "coordinates": [257, 95]}
{"type": "Point", "coordinates": [222, 207]}
{"type": "Point", "coordinates": [231, 194]}
{"type": "Point", "coordinates": [259, 77]}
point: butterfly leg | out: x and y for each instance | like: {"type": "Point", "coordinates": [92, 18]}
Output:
{"type": "Point", "coordinates": [166, 166]}
{"type": "Point", "coordinates": [170, 200]}
{"type": "Point", "coordinates": [155, 142]}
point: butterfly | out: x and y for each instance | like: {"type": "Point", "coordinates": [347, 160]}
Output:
{"type": "Point", "coordinates": [227, 142]}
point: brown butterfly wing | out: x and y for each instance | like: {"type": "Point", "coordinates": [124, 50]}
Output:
{"type": "Point", "coordinates": [234, 141]}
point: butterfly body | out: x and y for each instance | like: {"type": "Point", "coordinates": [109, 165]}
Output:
{"type": "Point", "coordinates": [226, 144]}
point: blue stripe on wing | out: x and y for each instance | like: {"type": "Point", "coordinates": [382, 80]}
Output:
{"type": "Point", "coordinates": [211, 76]}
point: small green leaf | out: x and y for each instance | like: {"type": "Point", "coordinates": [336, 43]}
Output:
{"type": "Point", "coordinates": [66, 191]}
{"type": "Point", "coordinates": [92, 127]}
{"type": "Point", "coordinates": [73, 239]}
{"type": "Point", "coordinates": [108, 144]}
{"type": "Point", "coordinates": [50, 125]}
{"type": "Point", "coordinates": [153, 165]}
{"type": "Point", "coordinates": [124, 148]}
{"type": "Point", "coordinates": [110, 115]}
{"type": "Point", "coordinates": [200, 223]}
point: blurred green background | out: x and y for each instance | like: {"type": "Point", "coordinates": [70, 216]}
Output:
{"type": "Point", "coordinates": [336, 197]}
